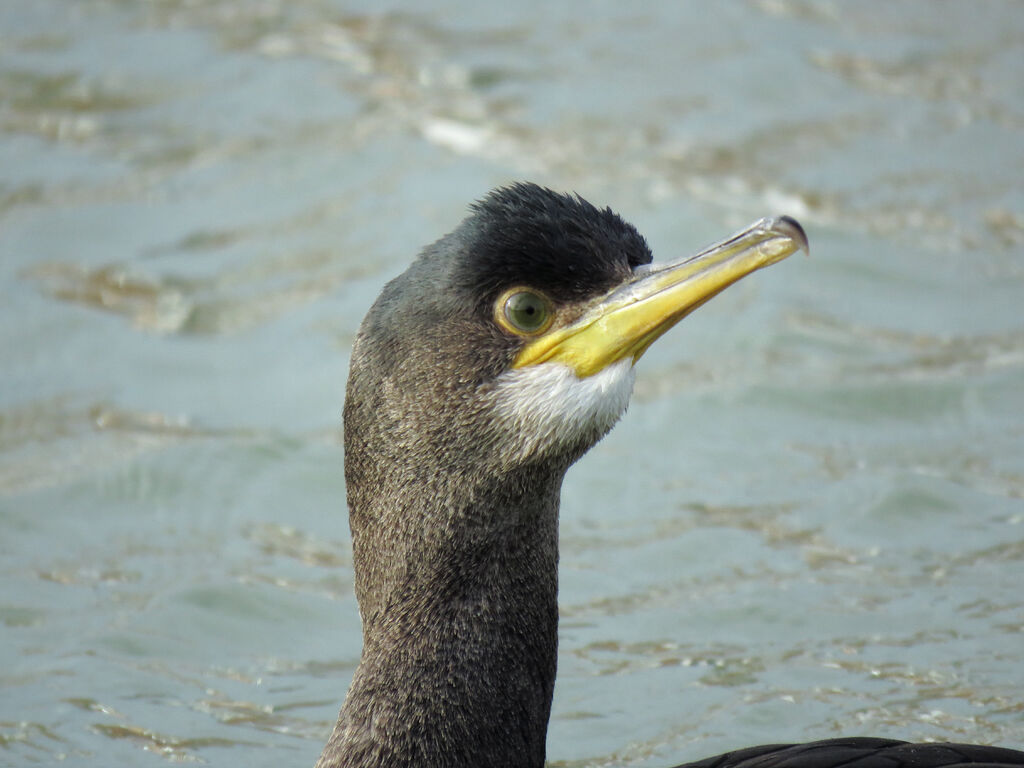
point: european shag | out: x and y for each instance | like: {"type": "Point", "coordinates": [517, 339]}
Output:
{"type": "Point", "coordinates": [480, 374]}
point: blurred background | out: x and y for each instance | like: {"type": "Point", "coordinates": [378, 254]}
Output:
{"type": "Point", "coordinates": [810, 522]}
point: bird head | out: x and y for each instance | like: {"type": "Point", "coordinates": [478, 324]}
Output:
{"type": "Point", "coordinates": [513, 339]}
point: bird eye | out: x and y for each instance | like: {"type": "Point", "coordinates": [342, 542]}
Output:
{"type": "Point", "coordinates": [525, 311]}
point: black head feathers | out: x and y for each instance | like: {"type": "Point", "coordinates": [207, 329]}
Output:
{"type": "Point", "coordinates": [525, 234]}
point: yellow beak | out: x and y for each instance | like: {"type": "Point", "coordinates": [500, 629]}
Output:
{"type": "Point", "coordinates": [627, 320]}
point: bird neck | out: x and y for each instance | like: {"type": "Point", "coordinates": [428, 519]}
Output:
{"type": "Point", "coordinates": [456, 579]}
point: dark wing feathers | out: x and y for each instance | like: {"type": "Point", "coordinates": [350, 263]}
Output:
{"type": "Point", "coordinates": [864, 753]}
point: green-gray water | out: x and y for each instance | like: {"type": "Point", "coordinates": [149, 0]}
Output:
{"type": "Point", "coordinates": [810, 522]}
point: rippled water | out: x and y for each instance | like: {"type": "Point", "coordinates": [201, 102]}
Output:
{"type": "Point", "coordinates": [810, 523]}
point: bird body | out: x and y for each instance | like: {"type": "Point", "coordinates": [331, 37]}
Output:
{"type": "Point", "coordinates": [478, 377]}
{"type": "Point", "coordinates": [864, 753]}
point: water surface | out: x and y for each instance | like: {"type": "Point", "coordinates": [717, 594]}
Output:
{"type": "Point", "coordinates": [809, 524]}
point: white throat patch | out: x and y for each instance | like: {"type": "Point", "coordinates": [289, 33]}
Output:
{"type": "Point", "coordinates": [544, 406]}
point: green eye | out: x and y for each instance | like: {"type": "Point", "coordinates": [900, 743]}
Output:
{"type": "Point", "coordinates": [526, 312]}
